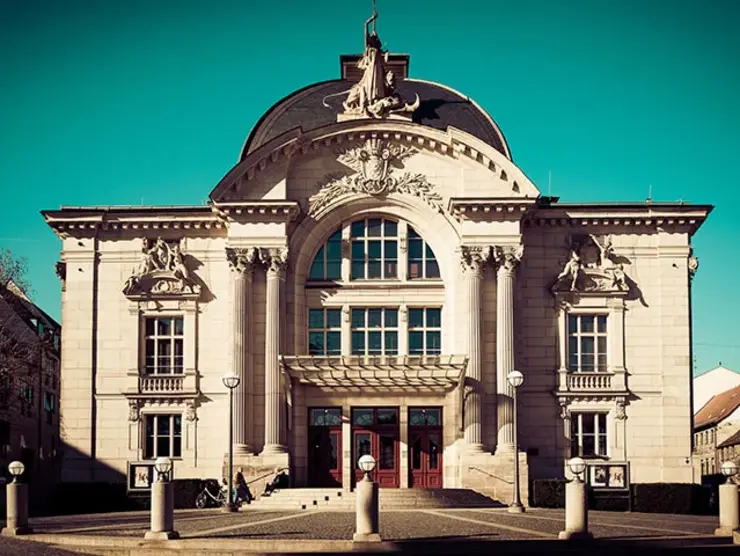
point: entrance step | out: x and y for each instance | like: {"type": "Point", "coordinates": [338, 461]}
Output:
{"type": "Point", "coordinates": [389, 499]}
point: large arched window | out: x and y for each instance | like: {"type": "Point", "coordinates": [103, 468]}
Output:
{"type": "Point", "coordinates": [376, 252]}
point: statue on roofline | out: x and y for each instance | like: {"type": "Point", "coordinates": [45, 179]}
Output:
{"type": "Point", "coordinates": [374, 95]}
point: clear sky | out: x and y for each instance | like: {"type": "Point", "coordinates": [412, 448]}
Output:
{"type": "Point", "coordinates": [112, 102]}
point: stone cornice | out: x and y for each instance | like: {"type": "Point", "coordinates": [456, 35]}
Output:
{"type": "Point", "coordinates": [643, 215]}
{"type": "Point", "coordinates": [489, 207]}
{"type": "Point", "coordinates": [262, 210]}
{"type": "Point", "coordinates": [86, 220]}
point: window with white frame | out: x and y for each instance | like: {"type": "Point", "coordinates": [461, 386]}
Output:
{"type": "Point", "coordinates": [327, 265]}
{"type": "Point", "coordinates": [587, 343]}
{"type": "Point", "coordinates": [588, 435]}
{"type": "Point", "coordinates": [425, 331]}
{"type": "Point", "coordinates": [422, 262]}
{"type": "Point", "coordinates": [163, 436]}
{"type": "Point", "coordinates": [325, 331]}
{"type": "Point", "coordinates": [164, 345]}
{"type": "Point", "coordinates": [374, 249]}
{"type": "Point", "coordinates": [374, 331]}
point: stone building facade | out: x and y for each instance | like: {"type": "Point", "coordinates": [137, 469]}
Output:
{"type": "Point", "coordinates": [373, 268]}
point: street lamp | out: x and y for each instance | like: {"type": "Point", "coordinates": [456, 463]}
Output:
{"type": "Point", "coordinates": [515, 379]}
{"type": "Point", "coordinates": [16, 468]}
{"type": "Point", "coordinates": [231, 381]}
{"type": "Point", "coordinates": [577, 466]}
{"type": "Point", "coordinates": [163, 465]}
{"type": "Point", "coordinates": [367, 464]}
{"type": "Point", "coordinates": [729, 503]}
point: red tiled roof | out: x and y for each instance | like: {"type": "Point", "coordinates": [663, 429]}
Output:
{"type": "Point", "coordinates": [732, 441]}
{"type": "Point", "coordinates": [720, 406]}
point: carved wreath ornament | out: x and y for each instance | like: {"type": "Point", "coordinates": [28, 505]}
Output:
{"type": "Point", "coordinates": [374, 164]}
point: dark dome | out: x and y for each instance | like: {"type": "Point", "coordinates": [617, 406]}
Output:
{"type": "Point", "coordinates": [440, 108]}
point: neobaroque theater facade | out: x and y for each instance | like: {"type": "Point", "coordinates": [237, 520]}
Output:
{"type": "Point", "coordinates": [372, 268]}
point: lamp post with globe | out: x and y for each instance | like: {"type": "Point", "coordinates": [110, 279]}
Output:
{"type": "Point", "coordinates": [17, 502]}
{"type": "Point", "coordinates": [231, 381]}
{"type": "Point", "coordinates": [163, 503]}
{"type": "Point", "coordinates": [515, 379]}
{"type": "Point", "coordinates": [367, 515]}
{"type": "Point", "coordinates": [576, 507]}
{"type": "Point", "coordinates": [729, 516]}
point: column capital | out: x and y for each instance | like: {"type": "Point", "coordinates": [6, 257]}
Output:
{"type": "Point", "coordinates": [507, 257]}
{"type": "Point", "coordinates": [243, 260]}
{"type": "Point", "coordinates": [276, 261]}
{"type": "Point", "coordinates": [474, 258]}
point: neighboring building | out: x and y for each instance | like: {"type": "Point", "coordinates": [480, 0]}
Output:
{"type": "Point", "coordinates": [713, 382]}
{"type": "Point", "coordinates": [29, 387]}
{"type": "Point", "coordinates": [729, 449]}
{"type": "Point", "coordinates": [373, 268]}
{"type": "Point", "coordinates": [716, 422]}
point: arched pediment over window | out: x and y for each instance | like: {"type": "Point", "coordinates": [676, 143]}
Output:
{"type": "Point", "coordinates": [374, 248]}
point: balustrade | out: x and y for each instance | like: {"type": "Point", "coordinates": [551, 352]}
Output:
{"type": "Point", "coordinates": [161, 383]}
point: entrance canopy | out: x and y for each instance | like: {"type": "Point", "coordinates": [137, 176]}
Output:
{"type": "Point", "coordinates": [395, 372]}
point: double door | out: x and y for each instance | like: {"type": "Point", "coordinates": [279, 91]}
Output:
{"type": "Point", "coordinates": [325, 447]}
{"type": "Point", "coordinates": [375, 432]}
{"type": "Point", "coordinates": [425, 458]}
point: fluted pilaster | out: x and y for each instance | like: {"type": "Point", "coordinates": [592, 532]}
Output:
{"type": "Point", "coordinates": [276, 261]}
{"type": "Point", "coordinates": [473, 260]}
{"type": "Point", "coordinates": [242, 263]}
{"type": "Point", "coordinates": [507, 260]}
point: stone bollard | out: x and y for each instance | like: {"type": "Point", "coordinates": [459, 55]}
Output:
{"type": "Point", "coordinates": [366, 528]}
{"type": "Point", "coordinates": [17, 510]}
{"type": "Point", "coordinates": [729, 511]}
{"type": "Point", "coordinates": [163, 512]}
{"type": "Point", "coordinates": [576, 511]}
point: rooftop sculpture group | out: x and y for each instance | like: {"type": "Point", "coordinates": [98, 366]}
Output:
{"type": "Point", "coordinates": [374, 95]}
{"type": "Point", "coordinates": [162, 270]}
{"type": "Point", "coordinates": [604, 272]}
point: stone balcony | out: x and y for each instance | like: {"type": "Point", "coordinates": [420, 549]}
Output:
{"type": "Point", "coordinates": [591, 383]}
{"type": "Point", "coordinates": [162, 385]}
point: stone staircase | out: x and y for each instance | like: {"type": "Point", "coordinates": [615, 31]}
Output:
{"type": "Point", "coordinates": [389, 499]}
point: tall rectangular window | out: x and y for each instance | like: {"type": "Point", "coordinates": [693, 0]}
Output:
{"type": "Point", "coordinates": [164, 345]}
{"type": "Point", "coordinates": [163, 436]}
{"type": "Point", "coordinates": [425, 331]}
{"type": "Point", "coordinates": [325, 331]}
{"type": "Point", "coordinates": [50, 407]}
{"type": "Point", "coordinates": [588, 435]}
{"type": "Point", "coordinates": [374, 331]}
{"type": "Point", "coordinates": [374, 249]}
{"type": "Point", "coordinates": [587, 341]}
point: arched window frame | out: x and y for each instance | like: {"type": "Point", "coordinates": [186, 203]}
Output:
{"type": "Point", "coordinates": [401, 246]}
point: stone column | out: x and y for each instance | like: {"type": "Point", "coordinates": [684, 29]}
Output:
{"type": "Point", "coordinates": [507, 259]}
{"type": "Point", "coordinates": [473, 260]}
{"type": "Point", "coordinates": [242, 262]}
{"type": "Point", "coordinates": [276, 261]}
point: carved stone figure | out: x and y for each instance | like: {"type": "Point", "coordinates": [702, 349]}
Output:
{"type": "Point", "coordinates": [162, 270]}
{"type": "Point", "coordinates": [373, 163]}
{"type": "Point", "coordinates": [593, 266]}
{"type": "Point", "coordinates": [572, 269]}
{"type": "Point", "coordinates": [374, 95]}
{"type": "Point", "coordinates": [133, 410]}
{"type": "Point", "coordinates": [190, 414]}
{"type": "Point", "coordinates": [693, 264]}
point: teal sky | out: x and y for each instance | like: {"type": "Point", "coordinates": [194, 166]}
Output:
{"type": "Point", "coordinates": [111, 102]}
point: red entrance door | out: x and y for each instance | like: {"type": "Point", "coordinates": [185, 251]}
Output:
{"type": "Point", "coordinates": [425, 458]}
{"type": "Point", "coordinates": [425, 447]}
{"type": "Point", "coordinates": [375, 432]}
{"type": "Point", "coordinates": [325, 448]}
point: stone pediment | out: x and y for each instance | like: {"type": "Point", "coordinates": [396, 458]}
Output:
{"type": "Point", "coordinates": [162, 273]}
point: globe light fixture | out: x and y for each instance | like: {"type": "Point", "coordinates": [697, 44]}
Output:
{"type": "Point", "coordinates": [16, 468]}
{"type": "Point", "coordinates": [729, 469]}
{"type": "Point", "coordinates": [163, 465]}
{"type": "Point", "coordinates": [515, 378]}
{"type": "Point", "coordinates": [367, 464]}
{"type": "Point", "coordinates": [231, 380]}
{"type": "Point", "coordinates": [577, 466]}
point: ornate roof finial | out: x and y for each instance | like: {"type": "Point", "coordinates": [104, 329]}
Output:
{"type": "Point", "coordinates": [374, 95]}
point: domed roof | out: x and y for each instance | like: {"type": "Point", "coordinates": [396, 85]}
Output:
{"type": "Point", "coordinates": [440, 107]}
